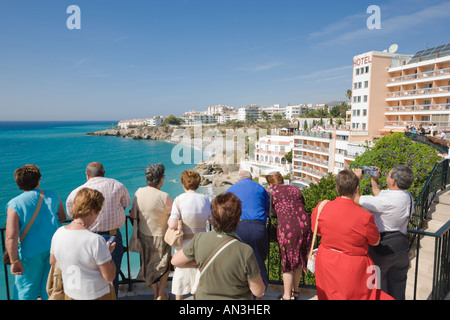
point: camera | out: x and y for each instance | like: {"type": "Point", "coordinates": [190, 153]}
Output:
{"type": "Point", "coordinates": [371, 171]}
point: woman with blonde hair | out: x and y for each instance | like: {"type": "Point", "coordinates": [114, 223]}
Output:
{"type": "Point", "coordinates": [84, 257]}
{"type": "Point", "coordinates": [294, 231]}
{"type": "Point", "coordinates": [194, 210]}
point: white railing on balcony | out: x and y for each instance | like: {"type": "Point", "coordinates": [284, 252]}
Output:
{"type": "Point", "coordinates": [312, 159]}
{"type": "Point", "coordinates": [441, 125]}
{"type": "Point", "coordinates": [324, 135]}
{"type": "Point", "coordinates": [421, 91]}
{"type": "Point", "coordinates": [422, 107]}
{"type": "Point", "coordinates": [310, 147]}
{"type": "Point", "coordinates": [421, 75]}
{"type": "Point", "coordinates": [310, 170]}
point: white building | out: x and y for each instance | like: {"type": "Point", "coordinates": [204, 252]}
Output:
{"type": "Point", "coordinates": [272, 110]}
{"type": "Point", "coordinates": [154, 121]}
{"type": "Point", "coordinates": [228, 116]}
{"type": "Point", "coordinates": [194, 117]}
{"type": "Point", "coordinates": [219, 110]}
{"type": "Point", "coordinates": [249, 112]}
{"type": "Point", "coordinates": [269, 155]}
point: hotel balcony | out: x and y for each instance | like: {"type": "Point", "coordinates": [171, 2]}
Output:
{"type": "Point", "coordinates": [416, 93]}
{"type": "Point", "coordinates": [311, 148]}
{"type": "Point", "coordinates": [313, 161]}
{"type": "Point", "coordinates": [312, 134]}
{"type": "Point", "coordinates": [420, 77]}
{"type": "Point", "coordinates": [441, 125]}
{"type": "Point", "coordinates": [310, 171]}
{"type": "Point", "coordinates": [423, 108]}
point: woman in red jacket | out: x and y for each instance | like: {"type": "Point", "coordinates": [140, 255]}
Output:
{"type": "Point", "coordinates": [344, 269]}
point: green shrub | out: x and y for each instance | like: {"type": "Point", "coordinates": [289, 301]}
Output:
{"type": "Point", "coordinates": [396, 149]}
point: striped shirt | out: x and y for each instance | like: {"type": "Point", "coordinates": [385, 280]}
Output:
{"type": "Point", "coordinates": [117, 199]}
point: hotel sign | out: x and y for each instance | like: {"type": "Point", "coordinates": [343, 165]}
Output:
{"type": "Point", "coordinates": [362, 61]}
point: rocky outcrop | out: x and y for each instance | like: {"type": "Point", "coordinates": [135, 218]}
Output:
{"type": "Point", "coordinates": [216, 171]}
{"type": "Point", "coordinates": [138, 133]}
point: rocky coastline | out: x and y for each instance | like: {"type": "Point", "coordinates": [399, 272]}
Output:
{"type": "Point", "coordinates": [214, 169]}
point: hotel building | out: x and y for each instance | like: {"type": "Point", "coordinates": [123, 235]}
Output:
{"type": "Point", "coordinates": [393, 90]}
{"type": "Point", "coordinates": [390, 91]}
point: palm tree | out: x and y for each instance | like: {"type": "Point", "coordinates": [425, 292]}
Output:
{"type": "Point", "coordinates": [349, 95]}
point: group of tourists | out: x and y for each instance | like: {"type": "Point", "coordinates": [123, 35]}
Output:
{"type": "Point", "coordinates": [225, 242]}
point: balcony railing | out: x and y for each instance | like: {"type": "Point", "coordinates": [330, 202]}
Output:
{"type": "Point", "coordinates": [441, 125]}
{"type": "Point", "coordinates": [312, 159]}
{"type": "Point", "coordinates": [324, 135]}
{"type": "Point", "coordinates": [421, 107]}
{"type": "Point", "coordinates": [416, 92]}
{"type": "Point", "coordinates": [421, 75]}
{"type": "Point", "coordinates": [311, 147]}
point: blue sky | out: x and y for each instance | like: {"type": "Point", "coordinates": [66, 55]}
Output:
{"type": "Point", "coordinates": [135, 59]}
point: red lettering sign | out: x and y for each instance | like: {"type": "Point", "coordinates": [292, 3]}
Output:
{"type": "Point", "coordinates": [362, 61]}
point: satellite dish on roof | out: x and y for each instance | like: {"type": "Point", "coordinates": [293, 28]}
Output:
{"type": "Point", "coordinates": [393, 48]}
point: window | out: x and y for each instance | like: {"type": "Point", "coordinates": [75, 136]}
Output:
{"type": "Point", "coordinates": [366, 84]}
{"type": "Point", "coordinates": [362, 70]}
{"type": "Point", "coordinates": [358, 112]}
{"type": "Point", "coordinates": [355, 85]}
{"type": "Point", "coordinates": [359, 98]}
{"type": "Point", "coordinates": [364, 112]}
{"type": "Point", "coordinates": [357, 71]}
{"type": "Point", "coordinates": [365, 98]}
{"type": "Point", "coordinates": [367, 69]}
{"type": "Point", "coordinates": [359, 85]}
{"type": "Point", "coordinates": [353, 125]}
{"type": "Point", "coordinates": [364, 126]}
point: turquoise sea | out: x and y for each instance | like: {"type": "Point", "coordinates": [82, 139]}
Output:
{"type": "Point", "coordinates": [62, 150]}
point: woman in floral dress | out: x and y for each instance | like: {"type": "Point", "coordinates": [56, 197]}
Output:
{"type": "Point", "coordinates": [294, 231]}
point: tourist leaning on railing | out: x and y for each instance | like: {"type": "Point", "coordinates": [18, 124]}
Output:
{"type": "Point", "coordinates": [446, 155]}
{"type": "Point", "coordinates": [83, 256]}
{"type": "Point", "coordinates": [234, 273]}
{"type": "Point", "coordinates": [152, 207]}
{"type": "Point", "coordinates": [294, 231]}
{"type": "Point", "coordinates": [112, 217]}
{"type": "Point", "coordinates": [30, 258]}
{"type": "Point", "coordinates": [193, 209]}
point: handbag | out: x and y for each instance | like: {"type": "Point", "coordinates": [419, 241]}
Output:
{"type": "Point", "coordinates": [208, 262]}
{"type": "Point", "coordinates": [174, 237]}
{"type": "Point", "coordinates": [135, 244]}
{"type": "Point", "coordinates": [272, 226]}
{"type": "Point", "coordinates": [313, 252]}
{"type": "Point", "coordinates": [55, 288]}
{"type": "Point", "coordinates": [6, 259]}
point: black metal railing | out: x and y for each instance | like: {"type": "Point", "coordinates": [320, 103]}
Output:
{"type": "Point", "coordinates": [438, 180]}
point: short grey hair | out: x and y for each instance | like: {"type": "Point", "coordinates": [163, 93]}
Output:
{"type": "Point", "coordinates": [154, 173]}
{"type": "Point", "coordinates": [95, 169]}
{"type": "Point", "coordinates": [403, 176]}
{"type": "Point", "coordinates": [245, 174]}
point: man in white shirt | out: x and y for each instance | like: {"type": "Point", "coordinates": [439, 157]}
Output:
{"type": "Point", "coordinates": [446, 155]}
{"type": "Point", "coordinates": [112, 217]}
{"type": "Point", "coordinates": [392, 210]}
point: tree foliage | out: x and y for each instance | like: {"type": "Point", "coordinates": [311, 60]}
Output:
{"type": "Point", "coordinates": [396, 149]}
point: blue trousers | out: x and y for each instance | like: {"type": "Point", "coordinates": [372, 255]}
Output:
{"type": "Point", "coordinates": [33, 283]}
{"type": "Point", "coordinates": [117, 255]}
{"type": "Point", "coordinates": [254, 233]}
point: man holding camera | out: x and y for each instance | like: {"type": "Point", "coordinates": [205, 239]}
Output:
{"type": "Point", "coordinates": [392, 210]}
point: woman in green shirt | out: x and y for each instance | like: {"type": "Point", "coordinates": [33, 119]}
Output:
{"type": "Point", "coordinates": [234, 273]}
